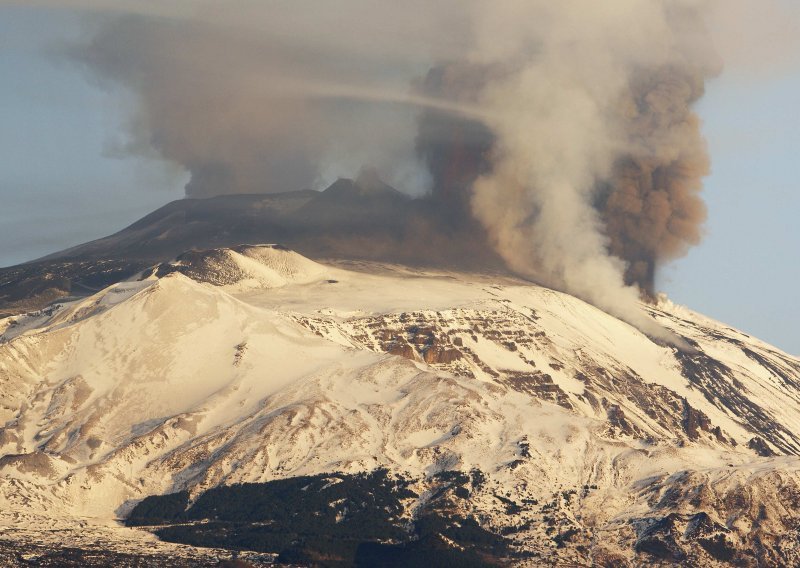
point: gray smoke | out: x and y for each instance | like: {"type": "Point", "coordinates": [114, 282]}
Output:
{"type": "Point", "coordinates": [265, 97]}
{"type": "Point", "coordinates": [219, 105]}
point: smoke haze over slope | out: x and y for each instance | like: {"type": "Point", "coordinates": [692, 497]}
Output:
{"type": "Point", "coordinates": [565, 129]}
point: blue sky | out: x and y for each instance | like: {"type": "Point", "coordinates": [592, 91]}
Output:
{"type": "Point", "coordinates": [63, 182]}
{"type": "Point", "coordinates": [746, 272]}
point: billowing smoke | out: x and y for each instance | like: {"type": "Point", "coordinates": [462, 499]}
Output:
{"type": "Point", "coordinates": [651, 207]}
{"type": "Point", "coordinates": [561, 132]}
{"type": "Point", "coordinates": [598, 158]}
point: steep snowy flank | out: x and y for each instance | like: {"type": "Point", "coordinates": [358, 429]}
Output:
{"type": "Point", "coordinates": [598, 445]}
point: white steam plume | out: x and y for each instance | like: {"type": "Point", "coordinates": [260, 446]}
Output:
{"type": "Point", "coordinates": [559, 118]}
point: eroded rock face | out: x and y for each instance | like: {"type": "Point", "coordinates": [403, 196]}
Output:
{"type": "Point", "coordinates": [459, 342]}
{"type": "Point", "coordinates": [37, 463]}
{"type": "Point", "coordinates": [760, 447]}
{"type": "Point", "coordinates": [713, 519]}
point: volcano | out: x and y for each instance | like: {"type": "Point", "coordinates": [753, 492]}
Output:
{"type": "Point", "coordinates": [361, 219]}
{"type": "Point", "coordinates": [249, 403]}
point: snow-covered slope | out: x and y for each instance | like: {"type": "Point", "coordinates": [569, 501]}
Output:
{"type": "Point", "coordinates": [246, 266]}
{"type": "Point", "coordinates": [255, 364]}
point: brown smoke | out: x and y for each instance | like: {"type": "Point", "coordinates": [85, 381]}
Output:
{"type": "Point", "coordinates": [597, 160]}
{"type": "Point", "coordinates": [651, 207]}
{"type": "Point", "coordinates": [455, 149]}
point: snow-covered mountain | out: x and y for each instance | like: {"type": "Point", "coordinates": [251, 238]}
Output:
{"type": "Point", "coordinates": [564, 432]}
{"type": "Point", "coordinates": [360, 219]}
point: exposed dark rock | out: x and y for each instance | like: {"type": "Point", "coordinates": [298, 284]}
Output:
{"type": "Point", "coordinates": [441, 355]}
{"type": "Point", "coordinates": [361, 219]}
{"type": "Point", "coordinates": [694, 421]}
{"type": "Point", "coordinates": [403, 349]}
{"type": "Point", "coordinates": [660, 539]}
{"type": "Point", "coordinates": [616, 417]}
{"type": "Point", "coordinates": [718, 384]}
{"type": "Point", "coordinates": [26, 555]}
{"type": "Point", "coordinates": [760, 447]}
{"type": "Point", "coordinates": [537, 384]}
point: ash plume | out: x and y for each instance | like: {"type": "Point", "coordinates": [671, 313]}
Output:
{"type": "Point", "coordinates": [561, 133]}
{"type": "Point", "coordinates": [263, 98]}
{"type": "Point", "coordinates": [208, 103]}
{"type": "Point", "coordinates": [651, 206]}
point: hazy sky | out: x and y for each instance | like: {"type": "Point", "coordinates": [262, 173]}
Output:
{"type": "Point", "coordinates": [64, 181]}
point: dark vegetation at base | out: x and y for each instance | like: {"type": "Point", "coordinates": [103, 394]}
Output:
{"type": "Point", "coordinates": [27, 555]}
{"type": "Point", "coordinates": [330, 520]}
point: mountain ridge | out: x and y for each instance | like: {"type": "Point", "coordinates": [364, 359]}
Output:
{"type": "Point", "coordinates": [362, 219]}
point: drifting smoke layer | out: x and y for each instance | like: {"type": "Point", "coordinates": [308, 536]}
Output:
{"type": "Point", "coordinates": [564, 128]}
{"type": "Point", "coordinates": [262, 97]}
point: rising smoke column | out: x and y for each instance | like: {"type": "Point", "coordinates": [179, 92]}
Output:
{"type": "Point", "coordinates": [651, 206]}
{"type": "Point", "coordinates": [645, 190]}
{"type": "Point", "coordinates": [597, 160]}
